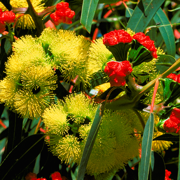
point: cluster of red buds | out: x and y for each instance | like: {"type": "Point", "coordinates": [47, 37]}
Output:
{"type": "Point", "coordinates": [115, 37]}
{"type": "Point", "coordinates": [174, 77]}
{"type": "Point", "coordinates": [117, 72]}
{"type": "Point", "coordinates": [33, 176]}
{"type": "Point", "coordinates": [167, 174]}
{"type": "Point", "coordinates": [146, 42]}
{"type": "Point", "coordinates": [6, 17]}
{"type": "Point", "coordinates": [172, 125]}
{"type": "Point", "coordinates": [63, 14]}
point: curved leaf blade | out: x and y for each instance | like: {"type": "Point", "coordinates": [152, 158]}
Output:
{"type": "Point", "coordinates": [166, 31]}
{"type": "Point", "coordinates": [146, 148]}
{"type": "Point", "coordinates": [164, 62]}
{"type": "Point", "coordinates": [21, 156]}
{"type": "Point", "coordinates": [143, 14]}
{"type": "Point", "coordinates": [89, 144]}
{"type": "Point", "coordinates": [157, 166]}
{"type": "Point", "coordinates": [88, 11]}
{"type": "Point", "coordinates": [167, 137]}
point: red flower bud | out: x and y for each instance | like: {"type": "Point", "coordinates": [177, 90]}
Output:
{"type": "Point", "coordinates": [167, 174]}
{"type": "Point", "coordinates": [56, 176]}
{"type": "Point", "coordinates": [172, 125]}
{"type": "Point", "coordinates": [115, 37]}
{"type": "Point", "coordinates": [62, 5]}
{"type": "Point", "coordinates": [7, 16]}
{"type": "Point", "coordinates": [63, 14]}
{"type": "Point", "coordinates": [174, 77]}
{"type": "Point", "coordinates": [146, 42]}
{"type": "Point", "coordinates": [117, 72]}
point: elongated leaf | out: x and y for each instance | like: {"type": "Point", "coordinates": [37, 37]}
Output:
{"type": "Point", "coordinates": [167, 137]}
{"type": "Point", "coordinates": [166, 31]}
{"type": "Point", "coordinates": [89, 144]}
{"type": "Point", "coordinates": [14, 131]}
{"type": "Point", "coordinates": [143, 14]}
{"type": "Point", "coordinates": [88, 11]}
{"type": "Point", "coordinates": [157, 167]}
{"type": "Point", "coordinates": [164, 62]}
{"type": "Point", "coordinates": [21, 156]}
{"type": "Point", "coordinates": [146, 148]}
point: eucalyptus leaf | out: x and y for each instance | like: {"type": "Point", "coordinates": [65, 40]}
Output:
{"type": "Point", "coordinates": [88, 11]}
{"type": "Point", "coordinates": [157, 167]}
{"type": "Point", "coordinates": [21, 156]}
{"type": "Point", "coordinates": [166, 31]}
{"type": "Point", "coordinates": [167, 137]}
{"type": "Point", "coordinates": [164, 62]}
{"type": "Point", "coordinates": [146, 148]}
{"type": "Point", "coordinates": [89, 144]}
{"type": "Point", "coordinates": [143, 13]}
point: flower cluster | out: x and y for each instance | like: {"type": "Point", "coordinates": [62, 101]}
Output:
{"type": "Point", "coordinates": [174, 77]}
{"type": "Point", "coordinates": [6, 17]}
{"type": "Point", "coordinates": [77, 113]}
{"type": "Point", "coordinates": [172, 125]}
{"type": "Point", "coordinates": [117, 72]}
{"type": "Point", "coordinates": [146, 42]}
{"type": "Point", "coordinates": [63, 14]}
{"type": "Point", "coordinates": [115, 37]}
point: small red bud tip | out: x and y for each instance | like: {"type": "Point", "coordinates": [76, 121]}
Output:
{"type": "Point", "coordinates": [63, 14]}
{"type": "Point", "coordinates": [115, 37]}
{"type": "Point", "coordinates": [117, 72]}
{"type": "Point", "coordinates": [146, 42]}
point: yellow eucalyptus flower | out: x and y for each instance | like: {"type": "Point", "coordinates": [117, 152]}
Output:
{"type": "Point", "coordinates": [79, 107]}
{"type": "Point", "coordinates": [26, 20]}
{"type": "Point", "coordinates": [68, 149]}
{"type": "Point", "coordinates": [8, 89]}
{"type": "Point", "coordinates": [98, 56]}
{"type": "Point", "coordinates": [56, 123]}
{"type": "Point", "coordinates": [69, 53]}
{"type": "Point", "coordinates": [114, 146]}
{"type": "Point", "coordinates": [36, 92]}
{"type": "Point", "coordinates": [160, 146]}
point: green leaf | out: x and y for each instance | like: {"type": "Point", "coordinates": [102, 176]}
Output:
{"type": "Point", "coordinates": [108, 1]}
{"type": "Point", "coordinates": [164, 62]}
{"type": "Point", "coordinates": [167, 137]}
{"type": "Point", "coordinates": [7, 46]}
{"type": "Point", "coordinates": [88, 11]}
{"type": "Point", "coordinates": [14, 131]}
{"type": "Point", "coordinates": [166, 31]}
{"type": "Point", "coordinates": [98, 78]}
{"type": "Point", "coordinates": [171, 90]}
{"type": "Point", "coordinates": [89, 144]}
{"type": "Point", "coordinates": [157, 167]}
{"type": "Point", "coordinates": [146, 148]}
{"type": "Point", "coordinates": [143, 13]}
{"type": "Point", "coordinates": [21, 156]}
